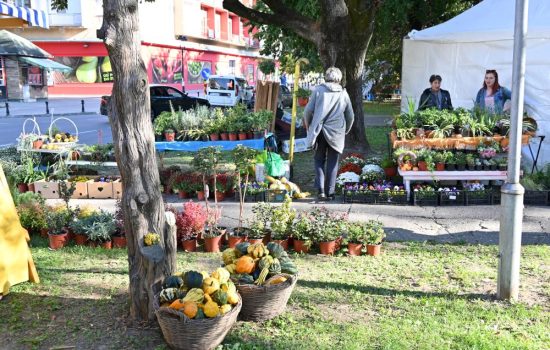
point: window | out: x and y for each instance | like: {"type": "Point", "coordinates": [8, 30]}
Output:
{"type": "Point", "coordinates": [221, 84]}
{"type": "Point", "coordinates": [174, 93]}
{"type": "Point", "coordinates": [231, 66]}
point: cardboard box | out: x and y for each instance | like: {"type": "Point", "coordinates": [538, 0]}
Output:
{"type": "Point", "coordinates": [80, 191]}
{"type": "Point", "coordinates": [300, 145]}
{"type": "Point", "coordinates": [117, 189]}
{"type": "Point", "coordinates": [47, 189]}
{"type": "Point", "coordinates": [260, 171]}
{"type": "Point", "coordinates": [100, 190]}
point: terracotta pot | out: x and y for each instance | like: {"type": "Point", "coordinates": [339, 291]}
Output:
{"type": "Point", "coordinates": [189, 245]}
{"type": "Point", "coordinates": [301, 246]}
{"type": "Point", "coordinates": [354, 249]}
{"type": "Point", "coordinates": [327, 248]}
{"type": "Point", "coordinates": [70, 235]}
{"type": "Point", "coordinates": [31, 187]}
{"type": "Point", "coordinates": [255, 240]}
{"type": "Point", "coordinates": [44, 232]}
{"type": "Point", "coordinates": [259, 134]}
{"type": "Point", "coordinates": [220, 196]}
{"type": "Point", "coordinates": [224, 136]}
{"type": "Point", "coordinates": [183, 194]}
{"type": "Point", "coordinates": [58, 241]}
{"type": "Point", "coordinates": [373, 249]}
{"type": "Point", "coordinates": [37, 144]}
{"type": "Point", "coordinates": [234, 240]}
{"type": "Point", "coordinates": [390, 172]}
{"type": "Point", "coordinates": [282, 242]}
{"type": "Point", "coordinates": [200, 195]}
{"type": "Point", "coordinates": [119, 242]}
{"type": "Point", "coordinates": [440, 166]}
{"type": "Point", "coordinates": [170, 136]}
{"type": "Point", "coordinates": [212, 245]}
{"type": "Point", "coordinates": [243, 136]}
{"type": "Point", "coordinates": [250, 135]}
{"type": "Point", "coordinates": [232, 136]}
{"type": "Point", "coordinates": [214, 137]}
{"type": "Point", "coordinates": [107, 245]}
{"type": "Point", "coordinates": [80, 239]}
{"type": "Point", "coordinates": [302, 101]}
{"type": "Point", "coordinates": [422, 165]}
{"type": "Point", "coordinates": [22, 188]}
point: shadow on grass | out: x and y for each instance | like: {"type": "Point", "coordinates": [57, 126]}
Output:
{"type": "Point", "coordinates": [393, 292]}
{"type": "Point", "coordinates": [90, 270]}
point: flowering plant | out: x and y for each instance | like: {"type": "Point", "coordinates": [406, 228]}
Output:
{"type": "Point", "coordinates": [371, 173]}
{"type": "Point", "coordinates": [474, 186]}
{"type": "Point", "coordinates": [347, 177]}
{"type": "Point", "coordinates": [350, 167]}
{"type": "Point", "coordinates": [326, 226]}
{"type": "Point", "coordinates": [423, 188]}
{"type": "Point", "coordinates": [281, 219]}
{"type": "Point", "coordinates": [191, 221]}
{"type": "Point", "coordinates": [354, 159]}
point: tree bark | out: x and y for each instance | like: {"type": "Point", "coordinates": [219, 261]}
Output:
{"type": "Point", "coordinates": [133, 141]}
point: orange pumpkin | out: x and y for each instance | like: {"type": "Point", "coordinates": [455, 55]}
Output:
{"type": "Point", "coordinates": [177, 305]}
{"type": "Point", "coordinates": [245, 264]}
{"type": "Point", "coordinates": [190, 309]}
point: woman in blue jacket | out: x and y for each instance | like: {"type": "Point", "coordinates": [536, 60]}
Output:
{"type": "Point", "coordinates": [492, 96]}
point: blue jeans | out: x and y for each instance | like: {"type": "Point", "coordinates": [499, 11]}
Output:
{"type": "Point", "coordinates": [325, 180]}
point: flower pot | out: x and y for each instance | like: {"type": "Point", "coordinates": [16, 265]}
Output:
{"type": "Point", "coordinates": [107, 245]}
{"type": "Point", "coordinates": [301, 246]}
{"type": "Point", "coordinates": [183, 194]}
{"type": "Point", "coordinates": [189, 245]}
{"type": "Point", "coordinates": [200, 195]}
{"type": "Point", "coordinates": [234, 240]}
{"type": "Point", "coordinates": [302, 101]}
{"type": "Point", "coordinates": [422, 165]}
{"type": "Point", "coordinates": [22, 188]}
{"type": "Point", "coordinates": [502, 167]}
{"type": "Point", "coordinates": [232, 136]}
{"type": "Point", "coordinates": [250, 135]}
{"type": "Point", "coordinates": [282, 242]}
{"type": "Point", "coordinates": [259, 134]}
{"type": "Point", "coordinates": [255, 240]}
{"type": "Point", "coordinates": [355, 249]}
{"type": "Point", "coordinates": [224, 136]}
{"type": "Point", "coordinates": [450, 167]}
{"type": "Point", "coordinates": [440, 166]}
{"type": "Point", "coordinates": [119, 242]}
{"type": "Point", "coordinates": [212, 245]}
{"type": "Point", "coordinates": [243, 136]}
{"type": "Point", "coordinates": [214, 137]}
{"type": "Point", "coordinates": [44, 232]}
{"type": "Point", "coordinates": [31, 187]}
{"type": "Point", "coordinates": [390, 172]}
{"type": "Point", "coordinates": [479, 167]}
{"type": "Point", "coordinates": [80, 239]}
{"type": "Point", "coordinates": [220, 196]}
{"type": "Point", "coordinates": [461, 167]}
{"type": "Point", "coordinates": [170, 136]}
{"type": "Point", "coordinates": [327, 248]}
{"type": "Point", "coordinates": [373, 249]}
{"type": "Point", "coordinates": [37, 144]}
{"type": "Point", "coordinates": [58, 241]}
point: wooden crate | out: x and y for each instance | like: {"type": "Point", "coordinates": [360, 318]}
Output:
{"type": "Point", "coordinates": [47, 189]}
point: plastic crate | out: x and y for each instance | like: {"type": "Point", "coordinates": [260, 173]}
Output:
{"type": "Point", "coordinates": [392, 198]}
{"type": "Point", "coordinates": [276, 196]}
{"type": "Point", "coordinates": [258, 197]}
{"type": "Point", "coordinates": [368, 197]}
{"type": "Point", "coordinates": [535, 197]}
{"type": "Point", "coordinates": [425, 198]}
{"type": "Point", "coordinates": [483, 197]}
{"type": "Point", "coordinates": [451, 198]}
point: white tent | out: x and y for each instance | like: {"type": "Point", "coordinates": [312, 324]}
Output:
{"type": "Point", "coordinates": [461, 49]}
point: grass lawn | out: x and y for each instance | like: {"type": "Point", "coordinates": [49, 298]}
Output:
{"type": "Point", "coordinates": [381, 108]}
{"type": "Point", "coordinates": [415, 296]}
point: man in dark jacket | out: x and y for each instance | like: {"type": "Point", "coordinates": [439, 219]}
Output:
{"type": "Point", "coordinates": [435, 96]}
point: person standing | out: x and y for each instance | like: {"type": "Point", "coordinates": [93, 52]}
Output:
{"type": "Point", "coordinates": [435, 96]}
{"type": "Point", "coordinates": [328, 117]}
{"type": "Point", "coordinates": [492, 97]}
{"type": "Point", "coordinates": [283, 79]}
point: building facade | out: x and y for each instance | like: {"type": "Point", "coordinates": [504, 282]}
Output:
{"type": "Point", "coordinates": [183, 41]}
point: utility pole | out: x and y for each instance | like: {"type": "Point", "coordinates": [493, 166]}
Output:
{"type": "Point", "coordinates": [512, 192]}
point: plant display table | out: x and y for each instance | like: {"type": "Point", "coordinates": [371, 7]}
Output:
{"type": "Point", "coordinates": [85, 162]}
{"type": "Point", "coordinates": [468, 143]}
{"type": "Point", "coordinates": [409, 176]}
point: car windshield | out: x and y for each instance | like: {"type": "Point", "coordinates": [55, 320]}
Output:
{"type": "Point", "coordinates": [221, 84]}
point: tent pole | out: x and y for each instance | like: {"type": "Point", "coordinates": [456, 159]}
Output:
{"type": "Point", "coordinates": [512, 191]}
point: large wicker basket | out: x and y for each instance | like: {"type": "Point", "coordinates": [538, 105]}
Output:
{"type": "Point", "coordinates": [261, 303]}
{"type": "Point", "coordinates": [181, 332]}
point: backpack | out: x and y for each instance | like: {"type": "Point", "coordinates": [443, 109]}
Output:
{"type": "Point", "coordinates": [270, 143]}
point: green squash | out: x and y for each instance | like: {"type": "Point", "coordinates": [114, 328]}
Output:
{"type": "Point", "coordinates": [265, 262]}
{"type": "Point", "coordinates": [275, 267]}
{"type": "Point", "coordinates": [242, 248]}
{"type": "Point", "coordinates": [172, 282]}
{"type": "Point", "coordinates": [275, 249]}
{"type": "Point", "coordinates": [243, 279]}
{"type": "Point", "coordinates": [200, 314]}
{"type": "Point", "coordinates": [193, 279]}
{"type": "Point", "coordinates": [220, 297]}
{"type": "Point", "coordinates": [287, 266]}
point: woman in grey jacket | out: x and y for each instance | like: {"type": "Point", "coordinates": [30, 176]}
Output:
{"type": "Point", "coordinates": [328, 117]}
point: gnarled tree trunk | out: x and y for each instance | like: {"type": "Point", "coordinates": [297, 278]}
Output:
{"type": "Point", "coordinates": [133, 140]}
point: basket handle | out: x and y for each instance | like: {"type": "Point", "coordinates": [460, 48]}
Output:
{"type": "Point", "coordinates": [35, 127]}
{"type": "Point", "coordinates": [60, 118]}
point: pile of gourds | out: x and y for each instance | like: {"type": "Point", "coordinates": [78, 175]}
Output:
{"type": "Point", "coordinates": [254, 263]}
{"type": "Point", "coordinates": [199, 295]}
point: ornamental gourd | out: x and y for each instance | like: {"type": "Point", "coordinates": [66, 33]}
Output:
{"type": "Point", "coordinates": [275, 267]}
{"type": "Point", "coordinates": [276, 280]}
{"type": "Point", "coordinates": [168, 295]}
{"type": "Point", "coordinates": [177, 305]}
{"type": "Point", "coordinates": [232, 298]}
{"type": "Point", "coordinates": [229, 255]}
{"type": "Point", "coordinates": [220, 297]}
{"type": "Point", "coordinates": [245, 264]}
{"type": "Point", "coordinates": [200, 314]}
{"type": "Point", "coordinates": [241, 248]}
{"type": "Point", "coordinates": [275, 249]}
{"type": "Point", "coordinates": [196, 295]}
{"type": "Point", "coordinates": [193, 279]}
{"type": "Point", "coordinates": [257, 250]}
{"type": "Point", "coordinates": [287, 266]}
{"type": "Point", "coordinates": [210, 285]}
{"type": "Point", "coordinates": [211, 309]}
{"type": "Point", "coordinates": [225, 309]}
{"type": "Point", "coordinates": [190, 309]}
{"type": "Point", "coordinates": [228, 287]}
{"type": "Point", "coordinates": [221, 274]}
{"type": "Point", "coordinates": [231, 268]}
{"type": "Point", "coordinates": [172, 282]}
{"type": "Point", "coordinates": [244, 279]}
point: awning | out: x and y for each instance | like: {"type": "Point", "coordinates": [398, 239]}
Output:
{"type": "Point", "coordinates": [35, 18]}
{"type": "Point", "coordinates": [45, 63]}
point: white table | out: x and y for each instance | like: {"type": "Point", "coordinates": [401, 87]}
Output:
{"type": "Point", "coordinates": [412, 175]}
{"type": "Point", "coordinates": [85, 162]}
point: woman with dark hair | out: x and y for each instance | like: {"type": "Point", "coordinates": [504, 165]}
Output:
{"type": "Point", "coordinates": [492, 97]}
{"type": "Point", "coordinates": [435, 96]}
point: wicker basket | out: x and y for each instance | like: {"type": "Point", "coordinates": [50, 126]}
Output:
{"type": "Point", "coordinates": [261, 303]}
{"type": "Point", "coordinates": [181, 332]}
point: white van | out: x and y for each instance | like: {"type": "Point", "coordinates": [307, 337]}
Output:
{"type": "Point", "coordinates": [228, 90]}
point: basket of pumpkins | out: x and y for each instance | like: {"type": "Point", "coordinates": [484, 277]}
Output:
{"type": "Point", "coordinates": [196, 310]}
{"type": "Point", "coordinates": [264, 276]}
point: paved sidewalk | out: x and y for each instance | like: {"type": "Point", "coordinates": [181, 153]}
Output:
{"type": "Point", "coordinates": [472, 224]}
{"type": "Point", "coordinates": [58, 106]}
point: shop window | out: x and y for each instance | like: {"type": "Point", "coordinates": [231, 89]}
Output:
{"type": "Point", "coordinates": [33, 75]}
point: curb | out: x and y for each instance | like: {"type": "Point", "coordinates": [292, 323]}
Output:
{"type": "Point", "coordinates": [50, 115]}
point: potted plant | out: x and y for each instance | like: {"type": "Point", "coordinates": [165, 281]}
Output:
{"type": "Point", "coordinates": [439, 159]}
{"type": "Point", "coordinates": [303, 96]}
{"type": "Point", "coordinates": [460, 159]}
{"type": "Point", "coordinates": [327, 228]}
{"type": "Point", "coordinates": [169, 135]}
{"type": "Point", "coordinates": [301, 232]}
{"type": "Point", "coordinates": [262, 213]}
{"type": "Point", "coordinates": [356, 237]}
{"type": "Point", "coordinates": [58, 233]}
{"type": "Point", "coordinates": [450, 162]}
{"type": "Point", "coordinates": [244, 159]}
{"type": "Point", "coordinates": [164, 121]}
{"type": "Point", "coordinates": [32, 211]}
{"type": "Point", "coordinates": [119, 236]}
{"type": "Point", "coordinates": [375, 234]}
{"type": "Point", "coordinates": [421, 159]}
{"type": "Point", "coordinates": [470, 161]}
{"type": "Point", "coordinates": [390, 166]}
{"type": "Point", "coordinates": [502, 163]}
{"type": "Point", "coordinates": [19, 176]}
{"type": "Point", "coordinates": [281, 222]}
{"type": "Point", "coordinates": [213, 233]}
{"type": "Point", "coordinates": [189, 224]}
{"type": "Point", "coordinates": [78, 226]}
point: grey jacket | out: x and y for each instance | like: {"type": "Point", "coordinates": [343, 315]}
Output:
{"type": "Point", "coordinates": [329, 110]}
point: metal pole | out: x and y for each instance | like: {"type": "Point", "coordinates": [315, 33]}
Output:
{"type": "Point", "coordinates": [294, 103]}
{"type": "Point", "coordinates": [82, 102]}
{"type": "Point", "coordinates": [512, 192]}
{"type": "Point", "coordinates": [7, 109]}
{"type": "Point", "coordinates": [47, 107]}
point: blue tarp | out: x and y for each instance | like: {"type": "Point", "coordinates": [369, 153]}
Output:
{"type": "Point", "coordinates": [193, 146]}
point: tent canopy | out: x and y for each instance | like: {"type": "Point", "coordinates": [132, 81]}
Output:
{"type": "Point", "coordinates": [32, 17]}
{"type": "Point", "coordinates": [481, 38]}
{"type": "Point", "coordinates": [14, 45]}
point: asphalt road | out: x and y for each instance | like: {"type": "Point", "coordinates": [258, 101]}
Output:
{"type": "Point", "coordinates": [88, 125]}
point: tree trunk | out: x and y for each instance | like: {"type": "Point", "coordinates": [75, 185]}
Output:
{"type": "Point", "coordinates": [133, 141]}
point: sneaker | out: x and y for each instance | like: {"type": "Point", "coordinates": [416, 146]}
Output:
{"type": "Point", "coordinates": [321, 196]}
{"type": "Point", "coordinates": [331, 197]}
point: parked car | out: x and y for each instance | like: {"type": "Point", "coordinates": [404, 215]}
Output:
{"type": "Point", "coordinates": [161, 97]}
{"type": "Point", "coordinates": [228, 90]}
